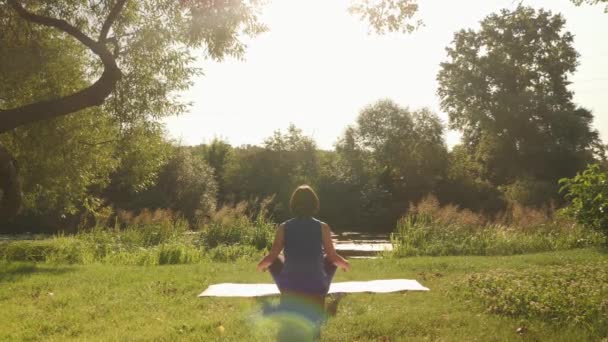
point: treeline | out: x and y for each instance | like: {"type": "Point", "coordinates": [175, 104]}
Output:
{"type": "Point", "coordinates": [504, 86]}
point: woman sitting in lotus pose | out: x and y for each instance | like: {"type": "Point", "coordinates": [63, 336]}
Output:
{"type": "Point", "coordinates": [310, 259]}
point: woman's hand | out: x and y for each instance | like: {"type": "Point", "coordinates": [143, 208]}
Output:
{"type": "Point", "coordinates": [277, 247]}
{"type": "Point", "coordinates": [343, 264]}
{"type": "Point", "coordinates": [265, 263]}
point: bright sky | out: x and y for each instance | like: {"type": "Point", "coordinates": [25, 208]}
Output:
{"type": "Point", "coordinates": [318, 66]}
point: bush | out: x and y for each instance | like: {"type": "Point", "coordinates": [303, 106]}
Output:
{"type": "Point", "coordinates": [588, 195]}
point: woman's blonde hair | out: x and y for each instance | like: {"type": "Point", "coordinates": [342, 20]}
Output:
{"type": "Point", "coordinates": [304, 201]}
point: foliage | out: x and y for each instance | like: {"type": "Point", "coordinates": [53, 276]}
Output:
{"type": "Point", "coordinates": [588, 194]}
{"type": "Point", "coordinates": [591, 2]}
{"type": "Point", "coordinates": [218, 155]}
{"type": "Point", "coordinates": [432, 230]}
{"type": "Point", "coordinates": [568, 294]}
{"type": "Point", "coordinates": [401, 151]}
{"type": "Point", "coordinates": [142, 151]}
{"type": "Point", "coordinates": [157, 237]}
{"type": "Point", "coordinates": [387, 15]}
{"type": "Point", "coordinates": [286, 161]}
{"type": "Point", "coordinates": [233, 226]}
{"type": "Point", "coordinates": [186, 185]}
{"type": "Point", "coordinates": [60, 159]}
{"type": "Point", "coordinates": [529, 192]}
{"type": "Point", "coordinates": [505, 87]}
{"type": "Point", "coordinates": [68, 161]}
{"type": "Point", "coordinates": [465, 186]}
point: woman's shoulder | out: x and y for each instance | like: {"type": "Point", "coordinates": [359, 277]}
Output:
{"type": "Point", "coordinates": [319, 221]}
{"type": "Point", "coordinates": [303, 220]}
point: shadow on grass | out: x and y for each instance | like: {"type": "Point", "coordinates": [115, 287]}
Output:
{"type": "Point", "coordinates": [10, 272]}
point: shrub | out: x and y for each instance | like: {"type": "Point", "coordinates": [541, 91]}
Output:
{"type": "Point", "coordinates": [588, 195]}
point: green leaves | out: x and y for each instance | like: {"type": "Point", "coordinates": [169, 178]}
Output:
{"type": "Point", "coordinates": [588, 195]}
{"type": "Point", "coordinates": [405, 148]}
{"type": "Point", "coordinates": [387, 16]}
{"type": "Point", "coordinates": [591, 2]}
{"type": "Point", "coordinates": [505, 86]}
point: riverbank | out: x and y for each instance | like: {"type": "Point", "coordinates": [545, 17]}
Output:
{"type": "Point", "coordinates": [105, 302]}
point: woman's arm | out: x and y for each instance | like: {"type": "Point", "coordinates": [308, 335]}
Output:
{"type": "Point", "coordinates": [277, 247]}
{"type": "Point", "coordinates": [328, 245]}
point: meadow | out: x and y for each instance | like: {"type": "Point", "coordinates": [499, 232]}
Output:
{"type": "Point", "coordinates": [474, 298]}
{"type": "Point", "coordinates": [523, 276]}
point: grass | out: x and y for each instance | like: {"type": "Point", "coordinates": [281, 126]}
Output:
{"type": "Point", "coordinates": [565, 294]}
{"type": "Point", "coordinates": [152, 238]}
{"type": "Point", "coordinates": [105, 302]}
{"type": "Point", "coordinates": [432, 230]}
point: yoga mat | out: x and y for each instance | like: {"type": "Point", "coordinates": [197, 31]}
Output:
{"type": "Point", "coordinates": [259, 290]}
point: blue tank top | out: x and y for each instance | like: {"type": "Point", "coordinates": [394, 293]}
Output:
{"type": "Point", "coordinates": [304, 264]}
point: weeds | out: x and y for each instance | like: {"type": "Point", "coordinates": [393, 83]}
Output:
{"type": "Point", "coordinates": [153, 238]}
{"type": "Point", "coordinates": [430, 229]}
{"type": "Point", "coordinates": [566, 294]}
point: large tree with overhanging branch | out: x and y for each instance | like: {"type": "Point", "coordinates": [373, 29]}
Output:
{"type": "Point", "coordinates": [129, 59]}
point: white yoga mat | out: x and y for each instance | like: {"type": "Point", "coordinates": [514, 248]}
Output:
{"type": "Point", "coordinates": [259, 290]}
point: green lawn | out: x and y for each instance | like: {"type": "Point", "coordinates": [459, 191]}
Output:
{"type": "Point", "coordinates": [103, 302]}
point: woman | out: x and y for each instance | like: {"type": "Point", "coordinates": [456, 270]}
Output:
{"type": "Point", "coordinates": [310, 259]}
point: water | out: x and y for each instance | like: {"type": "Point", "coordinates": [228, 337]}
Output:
{"type": "Point", "coordinates": [361, 245]}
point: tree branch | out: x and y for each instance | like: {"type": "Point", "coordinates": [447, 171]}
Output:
{"type": "Point", "coordinates": [118, 6]}
{"type": "Point", "coordinates": [93, 95]}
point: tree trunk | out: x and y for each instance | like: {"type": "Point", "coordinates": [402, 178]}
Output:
{"type": "Point", "coordinates": [10, 200]}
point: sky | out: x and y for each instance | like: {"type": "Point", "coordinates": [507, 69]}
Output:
{"type": "Point", "coordinates": [318, 66]}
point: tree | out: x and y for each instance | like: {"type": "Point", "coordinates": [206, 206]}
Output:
{"type": "Point", "coordinates": [591, 2]}
{"type": "Point", "coordinates": [63, 161]}
{"type": "Point", "coordinates": [185, 185]}
{"type": "Point", "coordinates": [395, 155]}
{"type": "Point", "coordinates": [286, 161]}
{"type": "Point", "coordinates": [166, 27]}
{"type": "Point", "coordinates": [388, 15]}
{"type": "Point", "coordinates": [143, 48]}
{"type": "Point", "coordinates": [141, 152]}
{"type": "Point", "coordinates": [406, 147]}
{"type": "Point", "coordinates": [505, 87]}
{"type": "Point", "coordinates": [465, 186]}
{"type": "Point", "coordinates": [10, 189]}
{"type": "Point", "coordinates": [217, 155]}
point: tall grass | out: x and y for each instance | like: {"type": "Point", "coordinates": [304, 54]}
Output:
{"type": "Point", "coordinates": [153, 238]}
{"type": "Point", "coordinates": [430, 229]}
{"type": "Point", "coordinates": [232, 225]}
